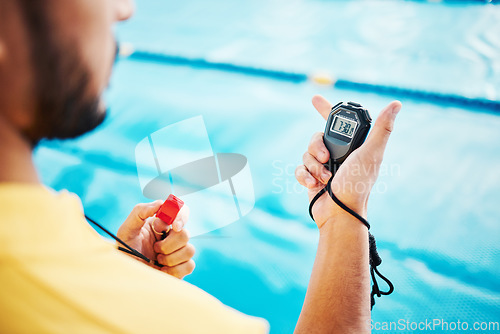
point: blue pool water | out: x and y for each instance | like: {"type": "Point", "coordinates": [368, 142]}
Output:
{"type": "Point", "coordinates": [434, 210]}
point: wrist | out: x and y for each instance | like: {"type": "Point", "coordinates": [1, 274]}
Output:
{"type": "Point", "coordinates": [359, 207]}
{"type": "Point", "coordinates": [343, 219]}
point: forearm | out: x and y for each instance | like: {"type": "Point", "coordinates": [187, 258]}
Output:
{"type": "Point", "coordinates": [338, 296]}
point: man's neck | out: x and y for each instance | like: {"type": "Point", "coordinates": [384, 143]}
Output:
{"type": "Point", "coordinates": [15, 156]}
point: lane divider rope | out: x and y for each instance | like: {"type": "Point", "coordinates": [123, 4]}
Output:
{"type": "Point", "coordinates": [126, 50]}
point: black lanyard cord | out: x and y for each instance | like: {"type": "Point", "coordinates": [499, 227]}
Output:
{"type": "Point", "coordinates": [127, 249]}
{"type": "Point", "coordinates": [375, 259]}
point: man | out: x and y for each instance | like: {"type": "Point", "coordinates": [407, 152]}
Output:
{"type": "Point", "coordinates": [58, 275]}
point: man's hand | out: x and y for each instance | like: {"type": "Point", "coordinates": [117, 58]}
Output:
{"type": "Point", "coordinates": [174, 252]}
{"type": "Point", "coordinates": [354, 179]}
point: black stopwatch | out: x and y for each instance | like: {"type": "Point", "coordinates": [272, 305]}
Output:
{"type": "Point", "coordinates": [345, 131]}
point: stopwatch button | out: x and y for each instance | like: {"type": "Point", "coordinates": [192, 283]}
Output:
{"type": "Point", "coordinates": [367, 114]}
{"type": "Point", "coordinates": [354, 104]}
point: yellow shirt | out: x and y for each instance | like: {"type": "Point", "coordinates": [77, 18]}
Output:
{"type": "Point", "coordinates": [57, 275]}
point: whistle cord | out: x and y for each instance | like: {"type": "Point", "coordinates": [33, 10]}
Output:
{"type": "Point", "coordinates": [127, 249]}
{"type": "Point", "coordinates": [375, 259]}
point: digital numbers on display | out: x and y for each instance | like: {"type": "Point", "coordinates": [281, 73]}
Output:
{"type": "Point", "coordinates": [344, 126]}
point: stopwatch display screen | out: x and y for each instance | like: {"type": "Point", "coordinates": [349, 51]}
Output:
{"type": "Point", "coordinates": [343, 126]}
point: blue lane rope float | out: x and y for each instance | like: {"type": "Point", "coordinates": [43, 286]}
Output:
{"type": "Point", "coordinates": [442, 98]}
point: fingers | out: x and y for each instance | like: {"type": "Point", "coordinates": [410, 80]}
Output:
{"type": "Point", "coordinates": [322, 106]}
{"type": "Point", "coordinates": [377, 140]}
{"type": "Point", "coordinates": [138, 216]}
{"type": "Point", "coordinates": [305, 178]}
{"type": "Point", "coordinates": [174, 241]}
{"type": "Point", "coordinates": [178, 223]}
{"type": "Point", "coordinates": [313, 170]}
{"type": "Point", "coordinates": [175, 253]}
{"type": "Point", "coordinates": [179, 256]}
{"type": "Point", "coordinates": [146, 210]}
{"type": "Point", "coordinates": [181, 219]}
{"type": "Point", "coordinates": [181, 270]}
{"type": "Point", "coordinates": [318, 149]}
{"type": "Point", "coordinates": [317, 154]}
{"type": "Point", "coordinates": [316, 169]}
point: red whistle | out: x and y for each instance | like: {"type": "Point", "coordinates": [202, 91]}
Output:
{"type": "Point", "coordinates": [169, 209]}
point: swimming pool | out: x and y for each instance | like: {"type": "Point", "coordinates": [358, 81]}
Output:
{"type": "Point", "coordinates": [435, 209]}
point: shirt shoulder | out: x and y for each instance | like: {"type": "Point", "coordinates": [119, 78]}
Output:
{"type": "Point", "coordinates": [58, 274]}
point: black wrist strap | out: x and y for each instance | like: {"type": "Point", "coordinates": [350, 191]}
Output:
{"type": "Point", "coordinates": [375, 259]}
{"type": "Point", "coordinates": [343, 206]}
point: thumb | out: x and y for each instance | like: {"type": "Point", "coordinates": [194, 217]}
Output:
{"type": "Point", "coordinates": [377, 140]}
{"type": "Point", "coordinates": [137, 218]}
